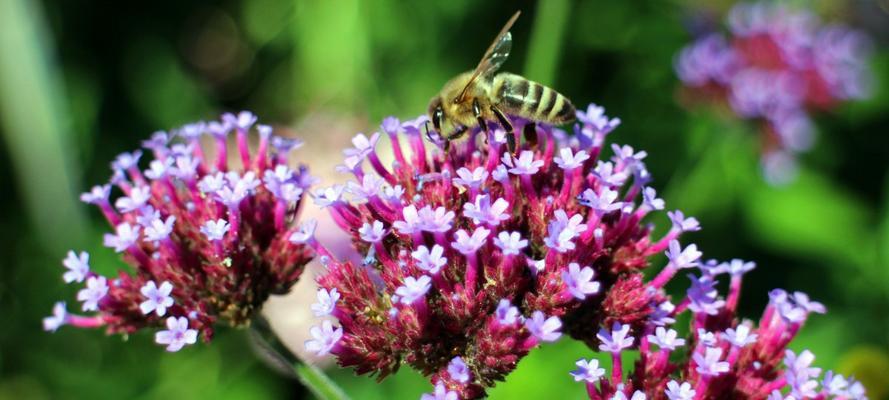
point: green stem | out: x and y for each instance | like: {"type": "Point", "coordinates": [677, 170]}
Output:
{"type": "Point", "coordinates": [545, 46]}
{"type": "Point", "coordinates": [270, 349]}
{"type": "Point", "coordinates": [318, 382]}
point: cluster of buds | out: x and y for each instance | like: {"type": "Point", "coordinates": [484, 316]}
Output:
{"type": "Point", "coordinates": [477, 255]}
{"type": "Point", "coordinates": [720, 357]}
{"type": "Point", "coordinates": [205, 241]}
{"type": "Point", "coordinates": [776, 66]}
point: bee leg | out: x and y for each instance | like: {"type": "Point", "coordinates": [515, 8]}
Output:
{"type": "Point", "coordinates": [453, 136]}
{"type": "Point", "coordinates": [477, 111]}
{"type": "Point", "coordinates": [510, 134]}
{"type": "Point", "coordinates": [429, 133]}
{"type": "Point", "coordinates": [530, 133]}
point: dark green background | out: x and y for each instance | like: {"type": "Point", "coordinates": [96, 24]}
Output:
{"type": "Point", "coordinates": [81, 81]}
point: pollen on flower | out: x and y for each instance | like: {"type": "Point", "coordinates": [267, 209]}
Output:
{"type": "Point", "coordinates": [205, 239]}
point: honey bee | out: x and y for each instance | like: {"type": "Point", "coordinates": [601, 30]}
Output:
{"type": "Point", "coordinates": [474, 97]}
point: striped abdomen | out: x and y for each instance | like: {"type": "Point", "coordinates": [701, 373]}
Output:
{"type": "Point", "coordinates": [528, 99]}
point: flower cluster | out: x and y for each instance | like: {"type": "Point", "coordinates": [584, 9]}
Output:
{"type": "Point", "coordinates": [776, 66]}
{"type": "Point", "coordinates": [206, 240]}
{"type": "Point", "coordinates": [476, 256]}
{"type": "Point", "coordinates": [721, 356]}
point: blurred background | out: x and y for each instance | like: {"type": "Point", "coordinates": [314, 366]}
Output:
{"type": "Point", "coordinates": [81, 81]}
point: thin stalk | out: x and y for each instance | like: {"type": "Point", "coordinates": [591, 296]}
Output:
{"type": "Point", "coordinates": [270, 349]}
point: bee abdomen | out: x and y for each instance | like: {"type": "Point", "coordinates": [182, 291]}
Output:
{"type": "Point", "coordinates": [529, 99]}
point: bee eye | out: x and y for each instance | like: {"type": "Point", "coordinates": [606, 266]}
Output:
{"type": "Point", "coordinates": [436, 118]}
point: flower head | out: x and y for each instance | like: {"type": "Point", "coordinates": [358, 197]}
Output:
{"type": "Point", "coordinates": [776, 66]}
{"type": "Point", "coordinates": [452, 271]}
{"type": "Point", "coordinates": [206, 241]}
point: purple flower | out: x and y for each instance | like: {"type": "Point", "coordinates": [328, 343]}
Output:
{"type": "Point", "coordinates": [703, 297]}
{"type": "Point", "coordinates": [78, 267]}
{"type": "Point", "coordinates": [441, 393]}
{"type": "Point", "coordinates": [472, 178]}
{"type": "Point", "coordinates": [567, 160]}
{"type": "Point", "coordinates": [159, 230]}
{"type": "Point", "coordinates": [458, 370]}
{"type": "Point", "coordinates": [709, 364]}
{"type": "Point", "coordinates": [177, 334]}
{"type": "Point", "coordinates": [372, 233]}
{"type": "Point", "coordinates": [617, 339]}
{"type": "Point", "coordinates": [680, 259]}
{"type": "Point", "coordinates": [371, 186]}
{"type": "Point", "coordinates": [125, 161]}
{"type": "Point", "coordinates": [161, 221]}
{"type": "Point", "coordinates": [666, 339]}
{"type": "Point", "coordinates": [58, 318]}
{"type": "Point", "coordinates": [543, 328]}
{"type": "Point", "coordinates": [212, 183]}
{"type": "Point", "coordinates": [437, 220]}
{"type": "Point", "coordinates": [96, 195]}
{"type": "Point", "coordinates": [603, 202]}
{"type": "Point", "coordinates": [606, 172]}
{"type": "Point", "coordinates": [363, 147]}
{"type": "Point", "coordinates": [329, 196]}
{"type": "Point", "coordinates": [735, 267]}
{"type": "Point", "coordinates": [413, 289]}
{"type": "Point", "coordinates": [677, 391]}
{"type": "Point", "coordinates": [305, 232]}
{"type": "Point", "coordinates": [96, 288]}
{"type": "Point", "coordinates": [524, 164]}
{"type": "Point", "coordinates": [324, 338]}
{"type": "Point", "coordinates": [158, 299]}
{"type": "Point", "coordinates": [587, 371]}
{"type": "Point", "coordinates": [683, 224]}
{"type": "Point", "coordinates": [468, 244]}
{"type": "Point", "coordinates": [326, 302]}
{"type": "Point", "coordinates": [579, 281]}
{"type": "Point", "coordinates": [411, 222]}
{"type": "Point", "coordinates": [740, 337]}
{"type": "Point", "coordinates": [482, 211]}
{"type": "Point", "coordinates": [511, 243]}
{"type": "Point", "coordinates": [706, 338]}
{"type": "Point", "coordinates": [563, 230]}
{"type": "Point", "coordinates": [595, 117]}
{"type": "Point", "coordinates": [650, 200]}
{"type": "Point", "coordinates": [157, 169]}
{"type": "Point", "coordinates": [215, 230]}
{"type": "Point", "coordinates": [506, 313]}
{"type": "Point", "coordinates": [244, 120]}
{"type": "Point", "coordinates": [137, 199]}
{"type": "Point", "coordinates": [430, 261]}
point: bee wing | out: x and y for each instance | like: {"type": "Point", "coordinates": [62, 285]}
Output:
{"type": "Point", "coordinates": [494, 57]}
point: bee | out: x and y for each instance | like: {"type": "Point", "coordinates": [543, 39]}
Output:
{"type": "Point", "coordinates": [475, 97]}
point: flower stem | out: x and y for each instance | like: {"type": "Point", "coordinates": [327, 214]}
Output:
{"type": "Point", "coordinates": [318, 382]}
{"type": "Point", "coordinates": [270, 349]}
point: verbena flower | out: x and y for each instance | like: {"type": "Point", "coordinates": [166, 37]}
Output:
{"type": "Point", "coordinates": [479, 255]}
{"type": "Point", "coordinates": [722, 356]}
{"type": "Point", "coordinates": [206, 240]}
{"type": "Point", "coordinates": [777, 65]}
